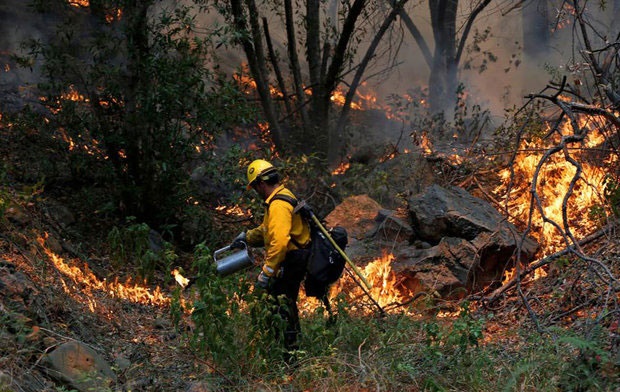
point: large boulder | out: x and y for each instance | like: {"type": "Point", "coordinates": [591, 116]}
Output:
{"type": "Point", "coordinates": [439, 212]}
{"type": "Point", "coordinates": [370, 227]}
{"type": "Point", "coordinates": [473, 243]}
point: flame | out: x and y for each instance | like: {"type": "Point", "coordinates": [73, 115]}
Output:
{"type": "Point", "coordinates": [114, 15]}
{"type": "Point", "coordinates": [386, 288]}
{"type": "Point", "coordinates": [248, 84]}
{"type": "Point", "coordinates": [180, 279]}
{"type": "Point", "coordinates": [423, 141]}
{"type": "Point", "coordinates": [383, 280]}
{"type": "Point", "coordinates": [553, 184]}
{"type": "Point", "coordinates": [79, 3]}
{"type": "Point", "coordinates": [82, 285]}
{"type": "Point", "coordinates": [233, 210]}
{"type": "Point", "coordinates": [339, 97]}
{"type": "Point", "coordinates": [73, 95]}
{"type": "Point", "coordinates": [342, 168]}
{"type": "Point", "coordinates": [365, 98]}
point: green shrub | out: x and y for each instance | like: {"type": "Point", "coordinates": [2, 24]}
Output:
{"type": "Point", "coordinates": [131, 245]}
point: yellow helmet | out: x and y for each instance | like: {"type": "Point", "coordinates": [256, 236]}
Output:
{"type": "Point", "coordinates": [258, 169]}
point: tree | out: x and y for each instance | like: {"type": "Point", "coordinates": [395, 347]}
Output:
{"type": "Point", "coordinates": [444, 61]}
{"type": "Point", "coordinates": [145, 98]}
{"type": "Point", "coordinates": [329, 46]}
{"type": "Point", "coordinates": [536, 28]}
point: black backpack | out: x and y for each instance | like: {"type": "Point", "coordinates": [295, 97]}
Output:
{"type": "Point", "coordinates": [325, 263]}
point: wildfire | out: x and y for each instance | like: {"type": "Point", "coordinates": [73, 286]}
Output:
{"type": "Point", "coordinates": [386, 289]}
{"type": "Point", "coordinates": [342, 168]}
{"type": "Point", "coordinates": [423, 141]}
{"type": "Point", "coordinates": [114, 15]}
{"type": "Point", "coordinates": [553, 185]}
{"type": "Point", "coordinates": [248, 84]}
{"type": "Point", "coordinates": [382, 278]}
{"type": "Point", "coordinates": [83, 285]}
{"type": "Point", "coordinates": [79, 3]}
{"type": "Point", "coordinates": [234, 210]}
{"type": "Point", "coordinates": [339, 97]}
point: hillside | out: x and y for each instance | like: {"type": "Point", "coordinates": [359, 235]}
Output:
{"type": "Point", "coordinates": [59, 284]}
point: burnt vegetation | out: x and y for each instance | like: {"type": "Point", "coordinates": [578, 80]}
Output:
{"type": "Point", "coordinates": [124, 136]}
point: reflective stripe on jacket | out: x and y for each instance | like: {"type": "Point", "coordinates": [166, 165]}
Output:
{"type": "Point", "coordinates": [278, 227]}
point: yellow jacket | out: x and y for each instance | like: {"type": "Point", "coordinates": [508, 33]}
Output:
{"type": "Point", "coordinates": [275, 233]}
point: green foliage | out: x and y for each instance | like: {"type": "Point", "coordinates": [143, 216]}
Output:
{"type": "Point", "coordinates": [135, 99]}
{"type": "Point", "coordinates": [221, 326]}
{"type": "Point", "coordinates": [396, 352]}
{"type": "Point", "coordinates": [611, 189]}
{"type": "Point", "coordinates": [611, 192]}
{"type": "Point", "coordinates": [176, 307]}
{"type": "Point", "coordinates": [131, 245]}
{"type": "Point", "coordinates": [235, 327]}
{"type": "Point", "coordinates": [470, 119]}
{"type": "Point", "coordinates": [462, 336]}
{"type": "Point", "coordinates": [560, 360]}
{"type": "Point", "coordinates": [583, 368]}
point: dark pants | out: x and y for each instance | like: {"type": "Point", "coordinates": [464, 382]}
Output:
{"type": "Point", "coordinates": [285, 291]}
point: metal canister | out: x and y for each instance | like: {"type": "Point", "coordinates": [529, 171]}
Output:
{"type": "Point", "coordinates": [234, 262]}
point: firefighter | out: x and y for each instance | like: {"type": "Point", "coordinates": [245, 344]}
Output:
{"type": "Point", "coordinates": [285, 236]}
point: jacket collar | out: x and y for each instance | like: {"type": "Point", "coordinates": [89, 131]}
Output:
{"type": "Point", "coordinates": [275, 192]}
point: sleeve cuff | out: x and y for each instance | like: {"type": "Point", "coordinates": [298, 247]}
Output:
{"type": "Point", "coordinates": [268, 270]}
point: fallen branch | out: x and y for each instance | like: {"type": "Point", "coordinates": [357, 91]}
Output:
{"type": "Point", "coordinates": [546, 260]}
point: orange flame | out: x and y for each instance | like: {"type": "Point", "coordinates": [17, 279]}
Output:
{"type": "Point", "coordinates": [342, 168]}
{"type": "Point", "coordinates": [79, 3]}
{"type": "Point", "coordinates": [82, 285]}
{"type": "Point", "coordinates": [382, 278]}
{"type": "Point", "coordinates": [553, 184]}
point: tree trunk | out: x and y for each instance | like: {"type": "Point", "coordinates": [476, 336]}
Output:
{"type": "Point", "coordinates": [535, 21]}
{"type": "Point", "coordinates": [332, 77]}
{"type": "Point", "coordinates": [136, 144]}
{"type": "Point", "coordinates": [254, 52]}
{"type": "Point", "coordinates": [313, 41]}
{"type": "Point", "coordinates": [370, 53]}
{"type": "Point", "coordinates": [443, 78]}
{"type": "Point", "coordinates": [296, 68]}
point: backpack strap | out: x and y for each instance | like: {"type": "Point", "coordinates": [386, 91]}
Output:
{"type": "Point", "coordinates": [292, 201]}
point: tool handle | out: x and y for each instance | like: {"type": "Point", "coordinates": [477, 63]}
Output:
{"type": "Point", "coordinates": [219, 252]}
{"type": "Point", "coordinates": [225, 249]}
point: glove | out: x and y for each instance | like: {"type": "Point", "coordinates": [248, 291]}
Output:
{"type": "Point", "coordinates": [239, 242]}
{"type": "Point", "coordinates": [262, 281]}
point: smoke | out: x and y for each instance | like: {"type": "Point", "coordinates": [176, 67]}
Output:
{"type": "Point", "coordinates": [19, 23]}
{"type": "Point", "coordinates": [507, 65]}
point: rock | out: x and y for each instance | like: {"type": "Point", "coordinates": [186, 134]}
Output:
{"type": "Point", "coordinates": [17, 215]}
{"type": "Point", "coordinates": [446, 268]}
{"type": "Point", "coordinates": [441, 212]}
{"type": "Point", "coordinates": [81, 367]}
{"type": "Point", "coordinates": [61, 214]}
{"type": "Point", "coordinates": [356, 214]}
{"type": "Point", "coordinates": [199, 386]}
{"type": "Point", "coordinates": [390, 227]}
{"type": "Point", "coordinates": [16, 289]}
{"type": "Point", "coordinates": [122, 363]}
{"type": "Point", "coordinates": [53, 244]}
{"type": "Point", "coordinates": [474, 243]}
{"type": "Point", "coordinates": [162, 323]}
